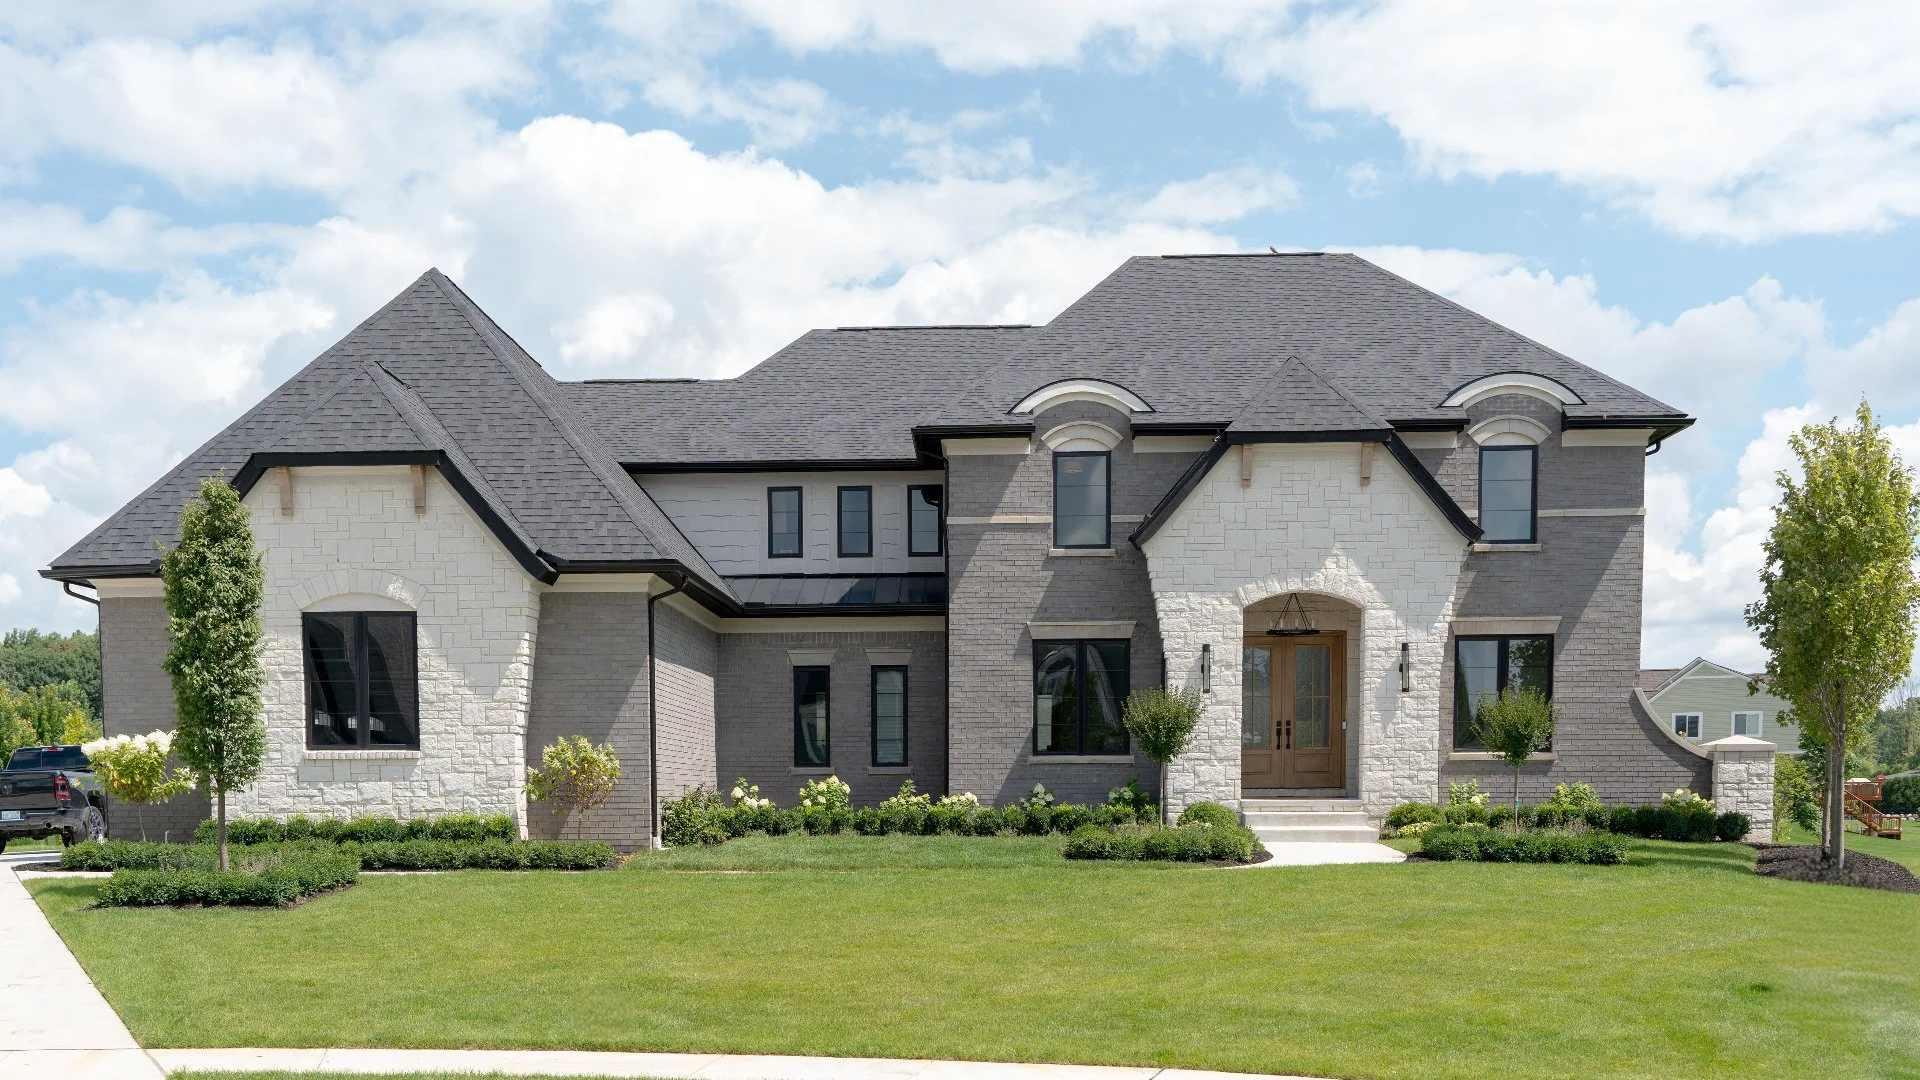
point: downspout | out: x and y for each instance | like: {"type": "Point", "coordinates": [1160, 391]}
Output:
{"type": "Point", "coordinates": [653, 725]}
{"type": "Point", "coordinates": [67, 587]}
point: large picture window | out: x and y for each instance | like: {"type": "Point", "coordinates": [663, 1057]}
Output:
{"type": "Point", "coordinates": [783, 523]}
{"type": "Point", "coordinates": [1080, 492]}
{"type": "Point", "coordinates": [926, 534]}
{"type": "Point", "coordinates": [1484, 666]}
{"type": "Point", "coordinates": [363, 685]}
{"type": "Point", "coordinates": [810, 716]}
{"type": "Point", "coordinates": [889, 686]}
{"type": "Point", "coordinates": [1078, 690]}
{"type": "Point", "coordinates": [1506, 493]}
{"type": "Point", "coordinates": [856, 522]}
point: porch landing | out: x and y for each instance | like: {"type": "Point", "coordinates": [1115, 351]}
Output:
{"type": "Point", "coordinates": [1308, 821]}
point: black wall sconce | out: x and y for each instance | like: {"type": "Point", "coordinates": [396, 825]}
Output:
{"type": "Point", "coordinates": [1206, 669]}
{"type": "Point", "coordinates": [1406, 666]}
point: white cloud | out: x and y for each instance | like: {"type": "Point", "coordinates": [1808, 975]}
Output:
{"type": "Point", "coordinates": [1363, 180]}
{"type": "Point", "coordinates": [1227, 195]}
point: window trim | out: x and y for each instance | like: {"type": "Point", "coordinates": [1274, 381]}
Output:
{"type": "Point", "coordinates": [873, 717]}
{"type": "Point", "coordinates": [840, 522]}
{"type": "Point", "coordinates": [827, 735]}
{"type": "Point", "coordinates": [1500, 667]}
{"type": "Point", "coordinates": [1080, 671]}
{"type": "Point", "coordinates": [1533, 496]}
{"type": "Point", "coordinates": [1699, 724]}
{"type": "Point", "coordinates": [1106, 524]}
{"type": "Point", "coordinates": [362, 682]}
{"type": "Point", "coordinates": [939, 520]}
{"type": "Point", "coordinates": [800, 520]}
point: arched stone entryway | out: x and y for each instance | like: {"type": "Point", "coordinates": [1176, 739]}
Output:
{"type": "Point", "coordinates": [1302, 674]}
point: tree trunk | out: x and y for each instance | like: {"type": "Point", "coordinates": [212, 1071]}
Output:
{"type": "Point", "coordinates": [1834, 843]}
{"type": "Point", "coordinates": [1516, 800]}
{"type": "Point", "coordinates": [140, 815]}
{"type": "Point", "coordinates": [220, 816]}
{"type": "Point", "coordinates": [1163, 794]}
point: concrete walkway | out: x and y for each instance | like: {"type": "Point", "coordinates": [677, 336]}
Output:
{"type": "Point", "coordinates": [1293, 853]}
{"type": "Point", "coordinates": [53, 1022]}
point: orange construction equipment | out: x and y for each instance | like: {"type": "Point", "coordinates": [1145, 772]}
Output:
{"type": "Point", "coordinates": [1860, 797]}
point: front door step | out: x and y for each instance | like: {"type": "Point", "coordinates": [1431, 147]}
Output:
{"type": "Point", "coordinates": [1332, 824]}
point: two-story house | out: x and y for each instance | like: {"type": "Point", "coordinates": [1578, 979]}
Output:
{"type": "Point", "coordinates": [1343, 507]}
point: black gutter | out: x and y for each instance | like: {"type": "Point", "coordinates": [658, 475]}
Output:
{"type": "Point", "coordinates": [67, 587]}
{"type": "Point", "coordinates": [84, 574]}
{"type": "Point", "coordinates": [1178, 493]}
{"type": "Point", "coordinates": [528, 558]}
{"type": "Point", "coordinates": [758, 611]}
{"type": "Point", "coordinates": [653, 722]}
{"type": "Point", "coordinates": [814, 465]}
{"type": "Point", "coordinates": [1403, 454]}
{"type": "Point", "coordinates": [926, 440]}
{"type": "Point", "coordinates": [692, 585]}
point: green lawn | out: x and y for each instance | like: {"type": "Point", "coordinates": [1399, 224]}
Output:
{"type": "Point", "coordinates": [1677, 964]}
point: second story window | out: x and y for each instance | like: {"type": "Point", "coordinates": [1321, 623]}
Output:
{"type": "Point", "coordinates": [1080, 500]}
{"type": "Point", "coordinates": [856, 522]}
{"type": "Point", "coordinates": [783, 523]}
{"type": "Point", "coordinates": [1506, 493]}
{"type": "Point", "coordinates": [925, 532]}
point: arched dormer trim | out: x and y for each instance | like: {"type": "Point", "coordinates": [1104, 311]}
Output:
{"type": "Point", "coordinates": [1509, 431]}
{"type": "Point", "coordinates": [1525, 383]}
{"type": "Point", "coordinates": [1096, 390]}
{"type": "Point", "coordinates": [1081, 435]}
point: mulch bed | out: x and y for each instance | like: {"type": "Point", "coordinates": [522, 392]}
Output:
{"type": "Point", "coordinates": [1803, 862]}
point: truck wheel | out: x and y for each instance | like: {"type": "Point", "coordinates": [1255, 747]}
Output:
{"type": "Point", "coordinates": [93, 826]}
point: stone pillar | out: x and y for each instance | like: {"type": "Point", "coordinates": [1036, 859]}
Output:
{"type": "Point", "coordinates": [1743, 780]}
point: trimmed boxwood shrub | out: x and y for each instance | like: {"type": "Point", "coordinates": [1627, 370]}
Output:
{"type": "Point", "coordinates": [1732, 825]}
{"type": "Point", "coordinates": [1184, 843]}
{"type": "Point", "coordinates": [1470, 843]}
{"type": "Point", "coordinates": [1407, 813]}
{"type": "Point", "coordinates": [281, 881]}
{"type": "Point", "coordinates": [367, 828]}
{"type": "Point", "coordinates": [702, 816]}
{"type": "Point", "coordinates": [117, 855]}
{"type": "Point", "coordinates": [1209, 813]}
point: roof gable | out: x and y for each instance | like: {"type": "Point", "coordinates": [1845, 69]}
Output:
{"type": "Point", "coordinates": [1298, 398]}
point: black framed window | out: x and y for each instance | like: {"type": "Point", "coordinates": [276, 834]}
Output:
{"type": "Point", "coordinates": [889, 686]}
{"type": "Point", "coordinates": [811, 716]}
{"type": "Point", "coordinates": [1483, 666]}
{"type": "Point", "coordinates": [856, 522]}
{"type": "Point", "coordinates": [1078, 690]}
{"type": "Point", "coordinates": [783, 523]}
{"type": "Point", "coordinates": [1508, 483]}
{"type": "Point", "coordinates": [926, 530]}
{"type": "Point", "coordinates": [363, 679]}
{"type": "Point", "coordinates": [1080, 496]}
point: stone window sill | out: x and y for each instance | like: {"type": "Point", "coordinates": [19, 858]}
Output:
{"type": "Point", "coordinates": [1483, 755]}
{"type": "Point", "coordinates": [1489, 549]}
{"type": "Point", "coordinates": [1068, 553]}
{"type": "Point", "coordinates": [1080, 759]}
{"type": "Point", "coordinates": [362, 755]}
{"type": "Point", "coordinates": [888, 770]}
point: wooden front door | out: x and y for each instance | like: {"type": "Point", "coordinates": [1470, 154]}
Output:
{"type": "Point", "coordinates": [1293, 711]}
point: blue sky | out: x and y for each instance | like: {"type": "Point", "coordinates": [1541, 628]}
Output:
{"type": "Point", "coordinates": [1716, 202]}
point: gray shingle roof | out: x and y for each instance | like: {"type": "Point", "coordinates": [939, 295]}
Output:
{"type": "Point", "coordinates": [430, 372]}
{"type": "Point", "coordinates": [1296, 398]}
{"type": "Point", "coordinates": [848, 395]}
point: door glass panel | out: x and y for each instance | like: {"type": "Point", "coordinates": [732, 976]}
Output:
{"type": "Point", "coordinates": [1312, 697]}
{"type": "Point", "coordinates": [1256, 699]}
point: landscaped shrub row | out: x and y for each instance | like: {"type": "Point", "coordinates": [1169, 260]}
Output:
{"type": "Point", "coordinates": [337, 830]}
{"type": "Point", "coordinates": [1694, 822]}
{"type": "Point", "coordinates": [119, 855]}
{"type": "Point", "coordinates": [1184, 843]}
{"type": "Point", "coordinates": [271, 881]}
{"type": "Point", "coordinates": [1479, 843]}
{"type": "Point", "coordinates": [702, 817]}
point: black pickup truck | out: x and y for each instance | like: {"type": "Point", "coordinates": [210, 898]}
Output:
{"type": "Point", "coordinates": [50, 791]}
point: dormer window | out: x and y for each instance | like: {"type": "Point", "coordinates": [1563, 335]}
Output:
{"type": "Point", "coordinates": [1080, 517]}
{"type": "Point", "coordinates": [1507, 488]}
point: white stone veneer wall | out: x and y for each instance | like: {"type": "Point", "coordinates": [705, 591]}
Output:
{"type": "Point", "coordinates": [354, 543]}
{"type": "Point", "coordinates": [1307, 525]}
{"type": "Point", "coordinates": [1743, 781]}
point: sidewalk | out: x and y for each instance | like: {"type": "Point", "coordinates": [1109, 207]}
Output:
{"type": "Point", "coordinates": [53, 1022]}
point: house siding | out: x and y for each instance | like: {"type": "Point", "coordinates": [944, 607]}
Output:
{"type": "Point", "coordinates": [1001, 577]}
{"type": "Point", "coordinates": [1716, 695]}
{"type": "Point", "coordinates": [139, 698]}
{"type": "Point", "coordinates": [754, 704]}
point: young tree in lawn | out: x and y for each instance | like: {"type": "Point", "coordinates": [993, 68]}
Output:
{"type": "Point", "coordinates": [574, 774]}
{"type": "Point", "coordinates": [1838, 592]}
{"type": "Point", "coordinates": [1514, 726]}
{"type": "Point", "coordinates": [1161, 723]}
{"type": "Point", "coordinates": [133, 769]}
{"type": "Point", "coordinates": [214, 582]}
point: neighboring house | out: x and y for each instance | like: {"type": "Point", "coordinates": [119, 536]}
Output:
{"type": "Point", "coordinates": [1344, 507]}
{"type": "Point", "coordinates": [1704, 701]}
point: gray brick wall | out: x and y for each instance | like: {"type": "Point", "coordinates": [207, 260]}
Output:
{"type": "Point", "coordinates": [687, 659]}
{"type": "Point", "coordinates": [1588, 572]}
{"type": "Point", "coordinates": [755, 707]}
{"type": "Point", "coordinates": [138, 699]}
{"type": "Point", "coordinates": [1000, 577]}
{"type": "Point", "coordinates": [590, 678]}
